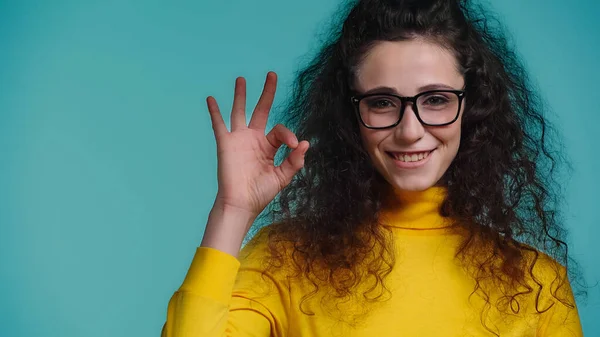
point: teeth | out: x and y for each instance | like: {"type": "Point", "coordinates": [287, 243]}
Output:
{"type": "Point", "coordinates": [410, 158]}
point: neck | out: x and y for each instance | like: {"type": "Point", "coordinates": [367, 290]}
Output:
{"type": "Point", "coordinates": [415, 209]}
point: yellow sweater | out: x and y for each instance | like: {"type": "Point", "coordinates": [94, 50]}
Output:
{"type": "Point", "coordinates": [224, 296]}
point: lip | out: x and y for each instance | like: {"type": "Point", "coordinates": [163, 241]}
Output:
{"type": "Point", "coordinates": [413, 164]}
{"type": "Point", "coordinates": [413, 151]}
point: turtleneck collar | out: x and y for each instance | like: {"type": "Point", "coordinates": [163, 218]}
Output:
{"type": "Point", "coordinates": [415, 210]}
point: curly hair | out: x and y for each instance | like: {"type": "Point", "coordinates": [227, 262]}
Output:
{"type": "Point", "coordinates": [502, 185]}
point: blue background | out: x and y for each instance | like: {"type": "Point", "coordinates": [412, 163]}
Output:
{"type": "Point", "coordinates": [108, 166]}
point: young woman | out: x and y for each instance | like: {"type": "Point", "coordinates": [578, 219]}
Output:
{"type": "Point", "coordinates": [424, 207]}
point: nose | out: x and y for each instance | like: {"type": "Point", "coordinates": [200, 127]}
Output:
{"type": "Point", "coordinates": [410, 129]}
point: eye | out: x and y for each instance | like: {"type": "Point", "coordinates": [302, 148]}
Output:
{"type": "Point", "coordinates": [380, 103]}
{"type": "Point", "coordinates": [435, 100]}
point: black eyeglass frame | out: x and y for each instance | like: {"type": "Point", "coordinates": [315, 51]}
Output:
{"type": "Point", "coordinates": [403, 100]}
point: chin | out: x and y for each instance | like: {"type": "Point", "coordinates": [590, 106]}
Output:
{"type": "Point", "coordinates": [412, 185]}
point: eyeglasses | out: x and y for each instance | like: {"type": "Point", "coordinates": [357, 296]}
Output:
{"type": "Point", "coordinates": [432, 108]}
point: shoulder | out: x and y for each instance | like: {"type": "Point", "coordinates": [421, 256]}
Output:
{"type": "Point", "coordinates": [267, 250]}
{"type": "Point", "coordinates": [549, 278]}
{"type": "Point", "coordinates": [542, 265]}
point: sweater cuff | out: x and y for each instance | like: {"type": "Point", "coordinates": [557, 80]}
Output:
{"type": "Point", "coordinates": [212, 274]}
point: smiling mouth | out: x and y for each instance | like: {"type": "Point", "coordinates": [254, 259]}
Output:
{"type": "Point", "coordinates": [409, 157]}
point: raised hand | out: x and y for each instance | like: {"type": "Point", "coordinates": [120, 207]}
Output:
{"type": "Point", "coordinates": [247, 177]}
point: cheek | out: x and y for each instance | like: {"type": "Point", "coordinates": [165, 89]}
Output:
{"type": "Point", "coordinates": [449, 136]}
{"type": "Point", "coordinates": [454, 144]}
{"type": "Point", "coordinates": [455, 136]}
{"type": "Point", "coordinates": [369, 139]}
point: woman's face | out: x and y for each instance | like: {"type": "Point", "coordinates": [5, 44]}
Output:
{"type": "Point", "coordinates": [410, 156]}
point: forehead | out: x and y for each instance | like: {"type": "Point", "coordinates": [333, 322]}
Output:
{"type": "Point", "coordinates": [407, 66]}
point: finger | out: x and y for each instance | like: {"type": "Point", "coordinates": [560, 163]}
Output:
{"type": "Point", "coordinates": [216, 118]}
{"type": "Point", "coordinates": [294, 162]}
{"type": "Point", "coordinates": [238, 112]}
{"type": "Point", "coordinates": [281, 135]}
{"type": "Point", "coordinates": [261, 112]}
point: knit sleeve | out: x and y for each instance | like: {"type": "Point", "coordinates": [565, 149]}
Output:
{"type": "Point", "coordinates": [222, 296]}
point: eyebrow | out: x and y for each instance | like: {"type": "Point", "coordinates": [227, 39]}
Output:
{"type": "Point", "coordinates": [390, 90]}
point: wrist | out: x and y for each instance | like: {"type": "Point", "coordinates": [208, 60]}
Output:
{"type": "Point", "coordinates": [240, 214]}
{"type": "Point", "coordinates": [226, 228]}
